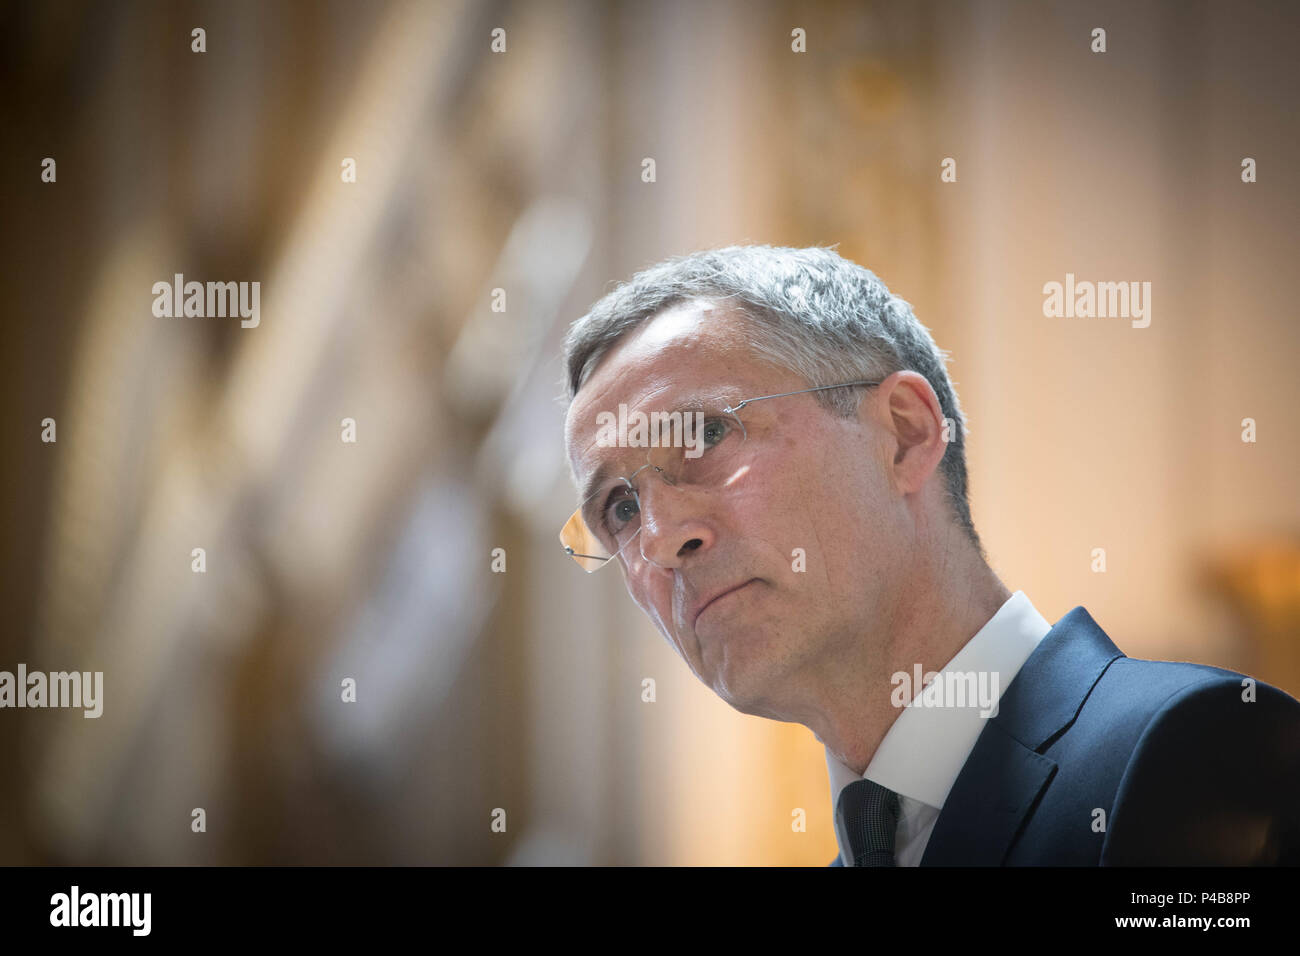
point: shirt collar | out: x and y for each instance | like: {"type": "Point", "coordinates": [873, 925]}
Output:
{"type": "Point", "coordinates": [946, 735]}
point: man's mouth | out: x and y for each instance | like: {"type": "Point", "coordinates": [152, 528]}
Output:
{"type": "Point", "coordinates": [714, 598]}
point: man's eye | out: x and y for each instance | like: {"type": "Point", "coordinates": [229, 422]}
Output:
{"type": "Point", "coordinates": [714, 431]}
{"type": "Point", "coordinates": [620, 511]}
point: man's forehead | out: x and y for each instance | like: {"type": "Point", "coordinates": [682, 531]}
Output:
{"type": "Point", "coordinates": [682, 332]}
{"type": "Point", "coordinates": [689, 357]}
{"type": "Point", "coordinates": [686, 346]}
{"type": "Point", "coordinates": [681, 324]}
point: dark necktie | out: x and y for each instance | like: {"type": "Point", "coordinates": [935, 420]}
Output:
{"type": "Point", "coordinates": [866, 814]}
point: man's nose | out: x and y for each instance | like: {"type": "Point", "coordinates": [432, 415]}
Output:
{"type": "Point", "coordinates": [674, 523]}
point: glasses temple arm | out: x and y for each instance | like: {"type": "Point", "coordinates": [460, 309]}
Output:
{"type": "Point", "coordinates": [730, 408]}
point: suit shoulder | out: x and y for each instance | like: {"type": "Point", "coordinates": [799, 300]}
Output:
{"type": "Point", "coordinates": [1170, 675]}
{"type": "Point", "coordinates": [1214, 777]}
{"type": "Point", "coordinates": [1146, 689]}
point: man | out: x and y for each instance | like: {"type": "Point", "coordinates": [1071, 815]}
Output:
{"type": "Point", "coordinates": [807, 547]}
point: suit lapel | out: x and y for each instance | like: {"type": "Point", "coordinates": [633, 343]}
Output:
{"type": "Point", "coordinates": [1005, 772]}
{"type": "Point", "coordinates": [984, 809]}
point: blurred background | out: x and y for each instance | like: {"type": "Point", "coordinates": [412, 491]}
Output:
{"type": "Point", "coordinates": [522, 171]}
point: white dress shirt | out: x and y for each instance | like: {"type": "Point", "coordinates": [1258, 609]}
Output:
{"type": "Point", "coordinates": [925, 749]}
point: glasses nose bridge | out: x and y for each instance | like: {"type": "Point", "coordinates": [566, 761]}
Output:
{"type": "Point", "coordinates": [658, 462]}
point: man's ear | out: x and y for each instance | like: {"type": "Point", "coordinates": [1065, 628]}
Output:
{"type": "Point", "coordinates": [909, 411]}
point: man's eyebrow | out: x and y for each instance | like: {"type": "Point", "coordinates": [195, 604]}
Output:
{"type": "Point", "coordinates": [593, 483]}
{"type": "Point", "coordinates": [697, 403]}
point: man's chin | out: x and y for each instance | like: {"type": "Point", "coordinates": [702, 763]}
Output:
{"type": "Point", "coordinates": [748, 691]}
{"type": "Point", "coordinates": [760, 707]}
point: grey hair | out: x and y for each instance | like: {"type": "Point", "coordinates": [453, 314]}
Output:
{"type": "Point", "coordinates": [813, 312]}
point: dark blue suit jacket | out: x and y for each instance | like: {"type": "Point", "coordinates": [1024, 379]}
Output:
{"type": "Point", "coordinates": [1186, 772]}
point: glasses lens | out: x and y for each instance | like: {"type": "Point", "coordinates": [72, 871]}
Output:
{"type": "Point", "coordinates": [602, 526]}
{"type": "Point", "coordinates": [708, 456]}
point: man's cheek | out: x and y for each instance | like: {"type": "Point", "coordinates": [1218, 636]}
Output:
{"type": "Point", "coordinates": [651, 602]}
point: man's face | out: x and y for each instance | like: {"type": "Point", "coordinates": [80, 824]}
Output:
{"type": "Point", "coordinates": [761, 583]}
